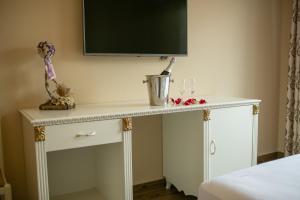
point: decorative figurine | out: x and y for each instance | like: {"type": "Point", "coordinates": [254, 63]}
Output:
{"type": "Point", "coordinates": [60, 98]}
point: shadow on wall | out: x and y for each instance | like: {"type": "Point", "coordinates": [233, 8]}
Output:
{"type": "Point", "coordinates": [17, 86]}
{"type": "Point", "coordinates": [13, 152]}
{"type": "Point", "coordinates": [17, 81]}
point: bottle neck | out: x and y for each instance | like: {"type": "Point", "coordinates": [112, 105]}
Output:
{"type": "Point", "coordinates": [169, 68]}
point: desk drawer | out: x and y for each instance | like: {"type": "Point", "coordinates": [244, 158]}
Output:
{"type": "Point", "coordinates": [68, 136]}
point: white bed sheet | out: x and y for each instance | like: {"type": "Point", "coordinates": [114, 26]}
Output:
{"type": "Point", "coordinates": [276, 180]}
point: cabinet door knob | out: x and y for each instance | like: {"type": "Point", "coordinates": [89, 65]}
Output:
{"type": "Point", "coordinates": [92, 133]}
{"type": "Point", "coordinates": [213, 147]}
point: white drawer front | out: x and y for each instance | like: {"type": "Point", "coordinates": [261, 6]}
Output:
{"type": "Point", "coordinates": [68, 136]}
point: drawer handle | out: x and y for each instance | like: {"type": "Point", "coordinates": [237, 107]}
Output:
{"type": "Point", "coordinates": [93, 133]}
{"type": "Point", "coordinates": [213, 147]}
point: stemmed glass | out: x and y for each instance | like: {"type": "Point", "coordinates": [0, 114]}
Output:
{"type": "Point", "coordinates": [187, 87]}
{"type": "Point", "coordinates": [192, 87]}
{"type": "Point", "coordinates": [182, 88]}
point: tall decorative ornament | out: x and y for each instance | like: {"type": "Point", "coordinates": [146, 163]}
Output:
{"type": "Point", "coordinates": [60, 98]}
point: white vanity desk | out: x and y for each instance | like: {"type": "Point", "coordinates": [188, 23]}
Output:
{"type": "Point", "coordinates": [86, 153]}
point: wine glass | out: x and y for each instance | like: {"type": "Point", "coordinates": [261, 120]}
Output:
{"type": "Point", "coordinates": [192, 86]}
{"type": "Point", "coordinates": [182, 87]}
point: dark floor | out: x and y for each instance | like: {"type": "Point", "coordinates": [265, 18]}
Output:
{"type": "Point", "coordinates": [269, 157]}
{"type": "Point", "coordinates": [156, 191]}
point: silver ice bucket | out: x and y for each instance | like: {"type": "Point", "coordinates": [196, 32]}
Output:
{"type": "Point", "coordinates": [158, 89]}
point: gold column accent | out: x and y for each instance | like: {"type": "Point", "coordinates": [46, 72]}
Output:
{"type": "Point", "coordinates": [206, 115]}
{"type": "Point", "coordinates": [256, 109]}
{"type": "Point", "coordinates": [127, 124]}
{"type": "Point", "coordinates": [39, 133]}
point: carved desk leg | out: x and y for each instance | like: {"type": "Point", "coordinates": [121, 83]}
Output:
{"type": "Point", "coordinates": [41, 161]}
{"type": "Point", "coordinates": [127, 149]}
{"type": "Point", "coordinates": [256, 111]}
{"type": "Point", "coordinates": [206, 119]}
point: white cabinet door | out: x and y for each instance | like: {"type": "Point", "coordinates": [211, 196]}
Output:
{"type": "Point", "coordinates": [230, 140]}
{"type": "Point", "coordinates": [183, 150]}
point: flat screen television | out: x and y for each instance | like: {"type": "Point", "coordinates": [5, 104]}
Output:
{"type": "Point", "coordinates": [135, 27]}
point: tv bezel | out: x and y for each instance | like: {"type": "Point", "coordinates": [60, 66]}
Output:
{"type": "Point", "coordinates": [132, 54]}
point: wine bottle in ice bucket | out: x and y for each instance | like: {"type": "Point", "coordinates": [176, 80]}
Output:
{"type": "Point", "coordinates": [168, 70]}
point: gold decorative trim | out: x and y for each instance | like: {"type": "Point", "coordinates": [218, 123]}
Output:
{"type": "Point", "coordinates": [206, 115]}
{"type": "Point", "coordinates": [256, 109]}
{"type": "Point", "coordinates": [39, 133]}
{"type": "Point", "coordinates": [127, 124]}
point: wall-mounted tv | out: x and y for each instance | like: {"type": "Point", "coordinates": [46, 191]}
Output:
{"type": "Point", "coordinates": [135, 27]}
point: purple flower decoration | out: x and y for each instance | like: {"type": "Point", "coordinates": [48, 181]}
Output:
{"type": "Point", "coordinates": [46, 51]}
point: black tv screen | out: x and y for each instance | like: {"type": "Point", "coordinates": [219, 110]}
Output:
{"type": "Point", "coordinates": [135, 27]}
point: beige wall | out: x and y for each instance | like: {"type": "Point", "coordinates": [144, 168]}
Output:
{"type": "Point", "coordinates": [285, 17]}
{"type": "Point", "coordinates": [233, 51]}
{"type": "Point", "coordinates": [147, 149]}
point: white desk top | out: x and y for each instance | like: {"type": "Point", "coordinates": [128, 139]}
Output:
{"type": "Point", "coordinates": [94, 112]}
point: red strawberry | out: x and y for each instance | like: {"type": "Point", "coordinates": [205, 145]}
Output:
{"type": "Point", "coordinates": [178, 101]}
{"type": "Point", "coordinates": [202, 101]}
{"type": "Point", "coordinates": [186, 103]}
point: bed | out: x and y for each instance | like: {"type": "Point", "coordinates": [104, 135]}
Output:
{"type": "Point", "coordinates": [276, 180]}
